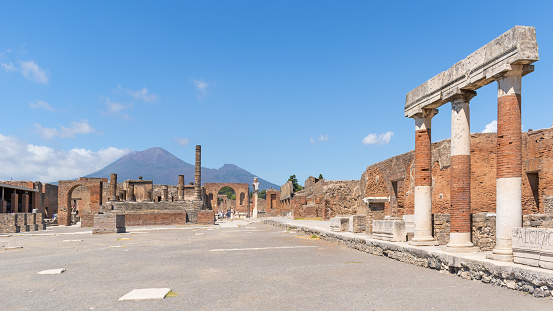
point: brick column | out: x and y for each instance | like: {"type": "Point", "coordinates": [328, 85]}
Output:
{"type": "Point", "coordinates": [25, 203]}
{"type": "Point", "coordinates": [255, 194]}
{"type": "Point", "coordinates": [509, 161]}
{"type": "Point", "coordinates": [198, 173]}
{"type": "Point", "coordinates": [15, 203]}
{"type": "Point", "coordinates": [459, 238]}
{"type": "Point", "coordinates": [180, 188]}
{"type": "Point", "coordinates": [423, 179]}
{"type": "Point", "coordinates": [3, 206]}
{"type": "Point", "coordinates": [113, 187]}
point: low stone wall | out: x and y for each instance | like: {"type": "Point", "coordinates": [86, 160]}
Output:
{"type": "Point", "coordinates": [21, 222]}
{"type": "Point", "coordinates": [538, 283]}
{"type": "Point", "coordinates": [154, 218]}
{"type": "Point", "coordinates": [441, 228]}
{"type": "Point", "coordinates": [206, 217]}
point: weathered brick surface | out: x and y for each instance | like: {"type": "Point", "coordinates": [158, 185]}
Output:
{"type": "Point", "coordinates": [155, 218]}
{"type": "Point", "coordinates": [8, 223]}
{"type": "Point", "coordinates": [460, 193]}
{"type": "Point", "coordinates": [378, 179]}
{"type": "Point", "coordinates": [87, 219]}
{"type": "Point", "coordinates": [509, 143]}
{"type": "Point", "coordinates": [441, 228]}
{"type": "Point", "coordinates": [483, 231]}
{"type": "Point", "coordinates": [206, 217]}
{"type": "Point", "coordinates": [423, 163]}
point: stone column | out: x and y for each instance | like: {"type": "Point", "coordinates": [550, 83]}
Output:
{"type": "Point", "coordinates": [180, 188]}
{"type": "Point", "coordinates": [459, 238]}
{"type": "Point", "coordinates": [3, 206]}
{"type": "Point", "coordinates": [509, 161]}
{"type": "Point", "coordinates": [130, 193]}
{"type": "Point", "coordinates": [113, 187]}
{"type": "Point", "coordinates": [164, 193]}
{"type": "Point", "coordinates": [25, 203]}
{"type": "Point", "coordinates": [255, 193]}
{"type": "Point", "coordinates": [423, 179]}
{"type": "Point", "coordinates": [15, 203]}
{"type": "Point", "coordinates": [198, 173]}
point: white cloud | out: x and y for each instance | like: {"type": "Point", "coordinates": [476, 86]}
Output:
{"type": "Point", "coordinates": [81, 127]}
{"type": "Point", "coordinates": [141, 94]}
{"type": "Point", "coordinates": [22, 161]}
{"type": "Point", "coordinates": [378, 139]}
{"type": "Point", "coordinates": [39, 104]}
{"type": "Point", "coordinates": [33, 72]}
{"type": "Point", "coordinates": [490, 127]}
{"type": "Point", "coordinates": [9, 67]}
{"type": "Point", "coordinates": [115, 108]}
{"type": "Point", "coordinates": [201, 86]}
{"type": "Point", "coordinates": [182, 141]}
{"type": "Point", "coordinates": [311, 140]}
{"type": "Point", "coordinates": [323, 138]}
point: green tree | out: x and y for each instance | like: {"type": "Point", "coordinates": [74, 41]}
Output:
{"type": "Point", "coordinates": [228, 192]}
{"type": "Point", "coordinates": [321, 176]}
{"type": "Point", "coordinates": [262, 194]}
{"type": "Point", "coordinates": [295, 184]}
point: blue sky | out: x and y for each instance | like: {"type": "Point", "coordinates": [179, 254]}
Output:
{"type": "Point", "coordinates": [275, 87]}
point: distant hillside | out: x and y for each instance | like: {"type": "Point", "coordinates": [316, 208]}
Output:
{"type": "Point", "coordinates": [163, 168]}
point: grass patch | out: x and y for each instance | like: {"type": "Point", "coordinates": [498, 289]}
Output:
{"type": "Point", "coordinates": [314, 236]}
{"type": "Point", "coordinates": [123, 239]}
{"type": "Point", "coordinates": [354, 262]}
{"type": "Point", "coordinates": [172, 294]}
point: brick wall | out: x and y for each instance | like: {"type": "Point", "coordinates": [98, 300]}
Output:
{"type": "Point", "coordinates": [206, 217]}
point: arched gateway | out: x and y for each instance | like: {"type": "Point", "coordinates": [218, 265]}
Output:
{"type": "Point", "coordinates": [65, 189]}
{"type": "Point", "coordinates": [241, 190]}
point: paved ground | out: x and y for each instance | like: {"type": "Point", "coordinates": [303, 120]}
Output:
{"type": "Point", "coordinates": [249, 267]}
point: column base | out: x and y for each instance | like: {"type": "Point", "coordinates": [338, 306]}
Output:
{"type": "Point", "coordinates": [429, 241]}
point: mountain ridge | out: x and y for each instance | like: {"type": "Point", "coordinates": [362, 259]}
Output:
{"type": "Point", "coordinates": [163, 168]}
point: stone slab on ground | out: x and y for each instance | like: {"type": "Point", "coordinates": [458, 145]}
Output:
{"type": "Point", "coordinates": [146, 294]}
{"type": "Point", "coordinates": [52, 271]}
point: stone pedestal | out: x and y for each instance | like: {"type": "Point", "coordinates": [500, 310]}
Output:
{"type": "Point", "coordinates": [392, 229]}
{"type": "Point", "coordinates": [108, 223]}
{"type": "Point", "coordinates": [339, 224]}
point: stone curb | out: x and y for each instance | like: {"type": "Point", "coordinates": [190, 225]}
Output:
{"type": "Point", "coordinates": [533, 281]}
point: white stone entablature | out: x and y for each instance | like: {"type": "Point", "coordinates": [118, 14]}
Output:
{"type": "Point", "coordinates": [517, 46]}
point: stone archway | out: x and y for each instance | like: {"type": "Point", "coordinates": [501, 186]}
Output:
{"type": "Point", "coordinates": [241, 190]}
{"type": "Point", "coordinates": [65, 189]}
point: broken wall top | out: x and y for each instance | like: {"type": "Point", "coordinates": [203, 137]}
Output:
{"type": "Point", "coordinates": [517, 46]}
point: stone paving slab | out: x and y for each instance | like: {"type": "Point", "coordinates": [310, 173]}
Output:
{"type": "Point", "coordinates": [146, 294]}
{"type": "Point", "coordinates": [52, 271]}
{"type": "Point", "coordinates": [476, 266]}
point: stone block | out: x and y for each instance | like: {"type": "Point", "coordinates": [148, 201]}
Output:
{"type": "Point", "coordinates": [392, 229]}
{"type": "Point", "coordinates": [339, 224]}
{"type": "Point", "coordinates": [533, 247]}
{"type": "Point", "coordinates": [358, 223]}
{"type": "Point", "coordinates": [409, 223]}
{"type": "Point", "coordinates": [108, 223]}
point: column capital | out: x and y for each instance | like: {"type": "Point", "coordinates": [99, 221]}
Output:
{"type": "Point", "coordinates": [463, 96]}
{"type": "Point", "coordinates": [423, 118]}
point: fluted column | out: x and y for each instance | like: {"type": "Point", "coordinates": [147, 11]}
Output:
{"type": "Point", "coordinates": [423, 178]}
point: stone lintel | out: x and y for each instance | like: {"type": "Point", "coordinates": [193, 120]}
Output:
{"type": "Point", "coordinates": [517, 46]}
{"type": "Point", "coordinates": [376, 199]}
